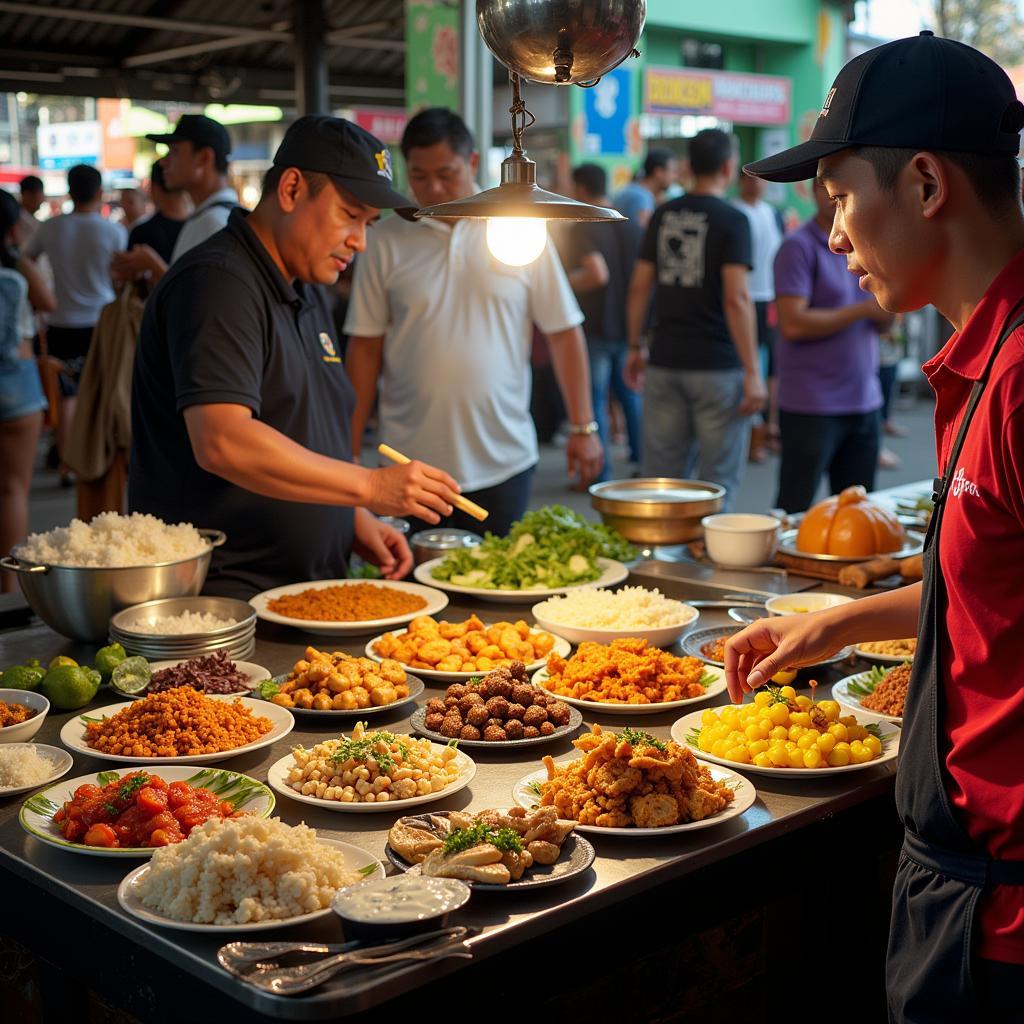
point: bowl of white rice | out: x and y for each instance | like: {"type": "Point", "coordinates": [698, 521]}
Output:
{"type": "Point", "coordinates": [75, 577]}
{"type": "Point", "coordinates": [587, 613]}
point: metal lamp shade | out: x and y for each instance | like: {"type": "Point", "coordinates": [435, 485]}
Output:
{"type": "Point", "coordinates": [521, 200]}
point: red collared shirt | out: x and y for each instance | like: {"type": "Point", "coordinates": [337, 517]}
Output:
{"type": "Point", "coordinates": [981, 552]}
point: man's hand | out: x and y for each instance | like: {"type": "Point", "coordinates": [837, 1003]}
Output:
{"type": "Point", "coordinates": [633, 371]}
{"type": "Point", "coordinates": [381, 545]}
{"type": "Point", "coordinates": [585, 456]}
{"type": "Point", "coordinates": [415, 489]}
{"type": "Point", "coordinates": [137, 262]}
{"type": "Point", "coordinates": [780, 642]}
{"type": "Point", "coordinates": [755, 394]}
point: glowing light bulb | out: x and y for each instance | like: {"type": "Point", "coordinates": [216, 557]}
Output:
{"type": "Point", "coordinates": [516, 241]}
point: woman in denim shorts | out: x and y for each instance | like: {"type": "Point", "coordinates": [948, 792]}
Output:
{"type": "Point", "coordinates": [21, 392]}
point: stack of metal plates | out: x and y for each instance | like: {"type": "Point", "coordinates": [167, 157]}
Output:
{"type": "Point", "coordinates": [133, 629]}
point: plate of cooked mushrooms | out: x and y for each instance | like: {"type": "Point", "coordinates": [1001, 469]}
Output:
{"type": "Point", "coordinates": [499, 850]}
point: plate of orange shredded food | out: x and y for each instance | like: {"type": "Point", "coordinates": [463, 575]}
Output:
{"type": "Point", "coordinates": [878, 694]}
{"type": "Point", "coordinates": [458, 651]}
{"type": "Point", "coordinates": [347, 607]}
{"type": "Point", "coordinates": [633, 784]}
{"type": "Point", "coordinates": [628, 677]}
{"type": "Point", "coordinates": [179, 726]}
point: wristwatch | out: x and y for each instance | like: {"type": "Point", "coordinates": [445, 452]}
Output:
{"type": "Point", "coordinates": [583, 429]}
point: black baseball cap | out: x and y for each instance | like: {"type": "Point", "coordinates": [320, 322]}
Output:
{"type": "Point", "coordinates": [200, 130]}
{"type": "Point", "coordinates": [349, 155]}
{"type": "Point", "coordinates": [924, 92]}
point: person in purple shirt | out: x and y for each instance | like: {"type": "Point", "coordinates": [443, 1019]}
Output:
{"type": "Point", "coordinates": [827, 366]}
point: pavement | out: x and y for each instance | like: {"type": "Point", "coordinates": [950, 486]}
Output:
{"type": "Point", "coordinates": [51, 505]}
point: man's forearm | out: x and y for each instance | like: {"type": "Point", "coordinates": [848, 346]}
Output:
{"type": "Point", "coordinates": [888, 616]}
{"type": "Point", "coordinates": [742, 324]}
{"type": "Point", "coordinates": [814, 324]}
{"type": "Point", "coordinates": [572, 369]}
{"type": "Point", "coordinates": [258, 458]}
{"type": "Point", "coordinates": [637, 302]}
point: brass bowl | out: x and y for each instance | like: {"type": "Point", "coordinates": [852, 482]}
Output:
{"type": "Point", "coordinates": [657, 510]}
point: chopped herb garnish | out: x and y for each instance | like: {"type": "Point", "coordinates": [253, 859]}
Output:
{"type": "Point", "coordinates": [505, 839]}
{"type": "Point", "coordinates": [639, 738]}
{"type": "Point", "coordinates": [366, 750]}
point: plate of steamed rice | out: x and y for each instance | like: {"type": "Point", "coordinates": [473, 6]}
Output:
{"type": "Point", "coordinates": [590, 613]}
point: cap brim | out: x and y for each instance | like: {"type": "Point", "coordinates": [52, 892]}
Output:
{"type": "Point", "coordinates": [378, 194]}
{"type": "Point", "coordinates": [796, 164]}
{"type": "Point", "coordinates": [166, 139]}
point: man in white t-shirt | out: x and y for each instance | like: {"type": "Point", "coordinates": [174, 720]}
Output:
{"type": "Point", "coordinates": [79, 246]}
{"type": "Point", "coordinates": [197, 162]}
{"type": "Point", "coordinates": [446, 329]}
{"type": "Point", "coordinates": [765, 237]}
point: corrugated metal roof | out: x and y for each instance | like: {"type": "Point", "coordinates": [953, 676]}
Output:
{"type": "Point", "coordinates": [112, 47]}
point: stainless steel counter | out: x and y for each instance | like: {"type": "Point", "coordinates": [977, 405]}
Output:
{"type": "Point", "coordinates": [623, 868]}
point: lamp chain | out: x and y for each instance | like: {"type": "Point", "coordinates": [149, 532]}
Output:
{"type": "Point", "coordinates": [521, 117]}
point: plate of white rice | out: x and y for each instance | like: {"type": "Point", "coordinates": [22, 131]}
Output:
{"type": "Point", "coordinates": [590, 613]}
{"type": "Point", "coordinates": [113, 541]}
{"type": "Point", "coordinates": [25, 766]}
{"type": "Point", "coordinates": [244, 875]}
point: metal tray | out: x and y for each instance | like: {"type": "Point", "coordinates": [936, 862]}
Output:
{"type": "Point", "coordinates": [787, 546]}
{"type": "Point", "coordinates": [692, 643]}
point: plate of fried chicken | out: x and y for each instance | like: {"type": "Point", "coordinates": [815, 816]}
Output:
{"type": "Point", "coordinates": [632, 784]}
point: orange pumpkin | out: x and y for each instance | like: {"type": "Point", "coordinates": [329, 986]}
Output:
{"type": "Point", "coordinates": [850, 526]}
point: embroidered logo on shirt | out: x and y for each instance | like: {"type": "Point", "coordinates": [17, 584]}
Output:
{"type": "Point", "coordinates": [961, 485]}
{"type": "Point", "coordinates": [384, 163]}
{"type": "Point", "coordinates": [328, 346]}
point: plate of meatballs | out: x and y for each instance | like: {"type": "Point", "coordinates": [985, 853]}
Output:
{"type": "Point", "coordinates": [501, 708]}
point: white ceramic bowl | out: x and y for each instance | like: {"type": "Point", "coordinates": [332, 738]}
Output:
{"type": "Point", "coordinates": [24, 731]}
{"type": "Point", "coordinates": [657, 636]}
{"type": "Point", "coordinates": [796, 604]}
{"type": "Point", "coordinates": [739, 540]}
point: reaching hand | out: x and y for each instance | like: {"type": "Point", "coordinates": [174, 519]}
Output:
{"type": "Point", "coordinates": [382, 545]}
{"type": "Point", "coordinates": [415, 489]}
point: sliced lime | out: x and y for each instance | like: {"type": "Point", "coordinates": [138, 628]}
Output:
{"type": "Point", "coordinates": [131, 676]}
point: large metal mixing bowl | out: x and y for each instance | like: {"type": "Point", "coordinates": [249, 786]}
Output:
{"type": "Point", "coordinates": [561, 42]}
{"type": "Point", "coordinates": [658, 509]}
{"type": "Point", "coordinates": [78, 601]}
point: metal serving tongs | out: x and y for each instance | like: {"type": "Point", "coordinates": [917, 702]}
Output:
{"type": "Point", "coordinates": [256, 962]}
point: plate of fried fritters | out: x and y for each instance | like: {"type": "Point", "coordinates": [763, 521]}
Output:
{"type": "Point", "coordinates": [543, 850]}
{"type": "Point", "coordinates": [632, 784]}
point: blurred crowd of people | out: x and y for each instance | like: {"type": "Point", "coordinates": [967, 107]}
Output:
{"type": "Point", "coordinates": [696, 332]}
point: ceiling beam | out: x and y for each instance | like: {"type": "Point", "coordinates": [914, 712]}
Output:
{"type": "Point", "coordinates": [202, 28]}
{"type": "Point", "coordinates": [337, 35]}
{"type": "Point", "coordinates": [193, 49]}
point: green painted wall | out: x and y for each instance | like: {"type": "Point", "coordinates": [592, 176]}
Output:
{"type": "Point", "coordinates": [784, 21]}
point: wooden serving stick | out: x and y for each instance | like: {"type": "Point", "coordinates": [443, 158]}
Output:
{"type": "Point", "coordinates": [863, 574]}
{"type": "Point", "coordinates": [471, 508]}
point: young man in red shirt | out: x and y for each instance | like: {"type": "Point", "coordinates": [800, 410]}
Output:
{"type": "Point", "coordinates": [917, 145]}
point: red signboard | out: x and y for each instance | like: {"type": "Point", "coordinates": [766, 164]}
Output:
{"type": "Point", "coordinates": [387, 123]}
{"type": "Point", "coordinates": [730, 95]}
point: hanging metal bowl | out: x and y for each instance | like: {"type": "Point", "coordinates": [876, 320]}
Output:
{"type": "Point", "coordinates": [561, 42]}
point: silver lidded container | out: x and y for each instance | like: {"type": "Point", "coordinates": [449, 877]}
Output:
{"type": "Point", "coordinates": [78, 601]}
{"type": "Point", "coordinates": [428, 544]}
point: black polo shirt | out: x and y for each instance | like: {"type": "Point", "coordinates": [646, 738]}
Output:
{"type": "Point", "coordinates": [224, 326]}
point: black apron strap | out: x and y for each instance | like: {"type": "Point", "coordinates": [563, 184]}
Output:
{"type": "Point", "coordinates": [973, 870]}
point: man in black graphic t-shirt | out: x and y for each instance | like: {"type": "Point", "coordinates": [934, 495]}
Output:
{"type": "Point", "coordinates": [701, 379]}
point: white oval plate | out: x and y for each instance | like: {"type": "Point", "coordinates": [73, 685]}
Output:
{"type": "Point", "coordinates": [883, 659]}
{"type": "Point", "coordinates": [72, 735]}
{"type": "Point", "coordinates": [436, 602]}
{"type": "Point", "coordinates": [416, 688]}
{"type": "Point", "coordinates": [131, 904]}
{"type": "Point", "coordinates": [277, 774]}
{"type": "Point", "coordinates": [61, 760]}
{"type": "Point", "coordinates": [851, 703]}
{"type": "Point", "coordinates": [612, 574]}
{"type": "Point", "coordinates": [562, 647]}
{"type": "Point", "coordinates": [256, 674]}
{"type": "Point", "coordinates": [601, 707]}
{"type": "Point", "coordinates": [743, 787]}
{"type": "Point", "coordinates": [682, 727]}
{"type": "Point", "coordinates": [37, 819]}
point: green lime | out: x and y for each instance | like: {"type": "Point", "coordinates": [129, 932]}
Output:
{"type": "Point", "coordinates": [23, 677]}
{"type": "Point", "coordinates": [68, 687]}
{"type": "Point", "coordinates": [132, 675]}
{"type": "Point", "coordinates": [63, 659]}
{"type": "Point", "coordinates": [108, 658]}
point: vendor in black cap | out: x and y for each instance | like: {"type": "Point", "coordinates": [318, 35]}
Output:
{"type": "Point", "coordinates": [240, 402]}
{"type": "Point", "coordinates": [916, 145]}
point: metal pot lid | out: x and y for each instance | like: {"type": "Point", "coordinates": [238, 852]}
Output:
{"type": "Point", "coordinates": [442, 540]}
{"type": "Point", "coordinates": [660, 489]}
